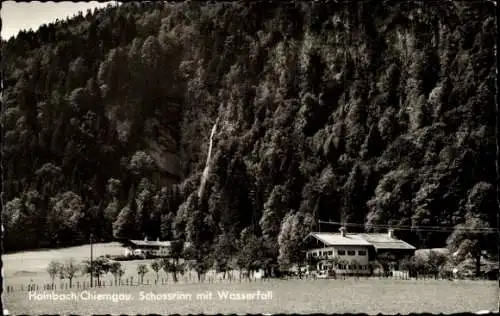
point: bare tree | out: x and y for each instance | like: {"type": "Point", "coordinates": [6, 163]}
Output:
{"type": "Point", "coordinates": [121, 272]}
{"type": "Point", "coordinates": [156, 266]}
{"type": "Point", "coordinates": [69, 269]}
{"type": "Point", "coordinates": [142, 269]}
{"type": "Point", "coordinates": [115, 268]}
{"type": "Point", "coordinates": [53, 269]}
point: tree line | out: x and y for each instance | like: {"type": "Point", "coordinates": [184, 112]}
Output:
{"type": "Point", "coordinates": [372, 113]}
{"type": "Point", "coordinates": [434, 263]}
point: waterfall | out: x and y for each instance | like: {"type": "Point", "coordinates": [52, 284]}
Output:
{"type": "Point", "coordinates": [204, 176]}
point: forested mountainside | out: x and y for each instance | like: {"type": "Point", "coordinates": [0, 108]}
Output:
{"type": "Point", "coordinates": [369, 112]}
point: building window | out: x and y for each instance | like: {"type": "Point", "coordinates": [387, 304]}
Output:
{"type": "Point", "coordinates": [351, 252]}
{"type": "Point", "coordinates": [341, 252]}
{"type": "Point", "coordinates": [361, 252]}
{"type": "Point", "coordinates": [330, 253]}
{"type": "Point", "coordinates": [315, 254]}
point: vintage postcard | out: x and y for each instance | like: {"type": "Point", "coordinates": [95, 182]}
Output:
{"type": "Point", "coordinates": [260, 157]}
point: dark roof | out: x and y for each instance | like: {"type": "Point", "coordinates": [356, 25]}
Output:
{"type": "Point", "coordinates": [384, 241]}
{"type": "Point", "coordinates": [379, 241]}
{"type": "Point", "coordinates": [339, 240]}
{"type": "Point", "coordinates": [151, 243]}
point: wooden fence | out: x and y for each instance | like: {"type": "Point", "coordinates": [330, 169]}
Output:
{"type": "Point", "coordinates": [131, 281]}
{"type": "Point", "coordinates": [135, 281]}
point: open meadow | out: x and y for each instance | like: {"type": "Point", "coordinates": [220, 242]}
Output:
{"type": "Point", "coordinates": [23, 268]}
{"type": "Point", "coordinates": [365, 295]}
{"type": "Point", "coordinates": [369, 296]}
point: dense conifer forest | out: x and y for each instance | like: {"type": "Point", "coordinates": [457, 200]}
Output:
{"type": "Point", "coordinates": [368, 112]}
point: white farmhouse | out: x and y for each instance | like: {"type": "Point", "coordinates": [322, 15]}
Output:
{"type": "Point", "coordinates": [345, 253]}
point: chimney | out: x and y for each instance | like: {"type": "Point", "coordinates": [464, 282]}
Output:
{"type": "Point", "coordinates": [342, 231]}
{"type": "Point", "coordinates": [158, 239]}
{"type": "Point", "coordinates": [146, 238]}
{"type": "Point", "coordinates": [390, 233]}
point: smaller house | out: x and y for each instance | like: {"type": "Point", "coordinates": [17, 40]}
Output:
{"type": "Point", "coordinates": [153, 248]}
{"type": "Point", "coordinates": [147, 247]}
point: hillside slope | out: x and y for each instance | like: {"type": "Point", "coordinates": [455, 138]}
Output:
{"type": "Point", "coordinates": [369, 113]}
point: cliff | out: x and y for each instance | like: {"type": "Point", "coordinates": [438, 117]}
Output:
{"type": "Point", "coordinates": [369, 113]}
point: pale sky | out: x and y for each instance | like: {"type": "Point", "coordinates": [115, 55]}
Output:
{"type": "Point", "coordinates": [17, 16]}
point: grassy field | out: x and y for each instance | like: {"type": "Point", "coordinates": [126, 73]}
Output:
{"type": "Point", "coordinates": [31, 266]}
{"type": "Point", "coordinates": [21, 268]}
{"type": "Point", "coordinates": [369, 296]}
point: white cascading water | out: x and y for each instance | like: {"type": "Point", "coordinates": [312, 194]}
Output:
{"type": "Point", "coordinates": [204, 176]}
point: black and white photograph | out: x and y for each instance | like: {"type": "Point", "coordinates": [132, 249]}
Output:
{"type": "Point", "coordinates": [249, 157]}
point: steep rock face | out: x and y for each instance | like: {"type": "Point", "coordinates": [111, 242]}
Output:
{"type": "Point", "coordinates": [376, 114]}
{"type": "Point", "coordinates": [339, 87]}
